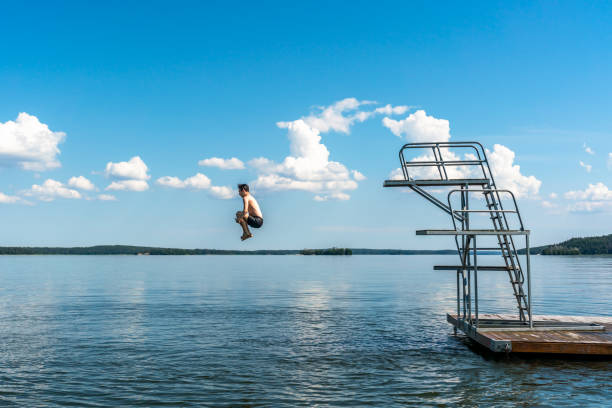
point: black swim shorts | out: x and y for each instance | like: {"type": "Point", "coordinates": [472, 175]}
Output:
{"type": "Point", "coordinates": [255, 221]}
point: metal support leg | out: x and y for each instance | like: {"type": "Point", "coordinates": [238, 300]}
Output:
{"type": "Point", "coordinates": [469, 295]}
{"type": "Point", "coordinates": [458, 302]}
{"type": "Point", "coordinates": [475, 280]}
{"type": "Point", "coordinates": [463, 294]}
{"type": "Point", "coordinates": [528, 281]}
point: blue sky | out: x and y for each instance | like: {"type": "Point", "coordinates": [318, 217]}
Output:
{"type": "Point", "coordinates": [173, 84]}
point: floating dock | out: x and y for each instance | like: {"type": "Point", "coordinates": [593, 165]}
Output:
{"type": "Point", "coordinates": [581, 335]}
{"type": "Point", "coordinates": [472, 198]}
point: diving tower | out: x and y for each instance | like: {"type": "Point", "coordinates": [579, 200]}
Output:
{"type": "Point", "coordinates": [485, 218]}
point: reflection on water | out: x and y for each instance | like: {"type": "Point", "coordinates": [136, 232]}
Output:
{"type": "Point", "coordinates": [278, 330]}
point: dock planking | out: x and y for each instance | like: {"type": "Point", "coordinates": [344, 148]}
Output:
{"type": "Point", "coordinates": [578, 342]}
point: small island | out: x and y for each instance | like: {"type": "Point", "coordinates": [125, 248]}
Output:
{"type": "Point", "coordinates": [329, 251]}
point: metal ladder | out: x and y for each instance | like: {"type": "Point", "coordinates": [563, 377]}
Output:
{"type": "Point", "coordinates": [508, 248]}
{"type": "Point", "coordinates": [480, 181]}
{"type": "Point", "coordinates": [505, 242]}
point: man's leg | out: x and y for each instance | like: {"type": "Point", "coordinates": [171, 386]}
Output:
{"type": "Point", "coordinates": [241, 219]}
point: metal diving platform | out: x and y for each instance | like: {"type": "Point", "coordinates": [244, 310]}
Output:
{"type": "Point", "coordinates": [486, 218]}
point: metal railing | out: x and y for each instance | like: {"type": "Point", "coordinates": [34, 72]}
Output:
{"type": "Point", "coordinates": [442, 164]}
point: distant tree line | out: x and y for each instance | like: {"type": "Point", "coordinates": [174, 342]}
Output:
{"type": "Point", "coordinates": [144, 250]}
{"type": "Point", "coordinates": [560, 250]}
{"type": "Point", "coordinates": [601, 245]}
{"type": "Point", "coordinates": [133, 250]}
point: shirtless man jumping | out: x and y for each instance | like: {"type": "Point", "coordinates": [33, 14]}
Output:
{"type": "Point", "coordinates": [251, 215]}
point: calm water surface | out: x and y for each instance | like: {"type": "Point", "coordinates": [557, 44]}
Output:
{"type": "Point", "coordinates": [278, 331]}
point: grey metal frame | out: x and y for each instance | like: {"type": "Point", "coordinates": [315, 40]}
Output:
{"type": "Point", "coordinates": [465, 237]}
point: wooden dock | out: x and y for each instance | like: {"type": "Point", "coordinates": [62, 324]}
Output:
{"type": "Point", "coordinates": [552, 334]}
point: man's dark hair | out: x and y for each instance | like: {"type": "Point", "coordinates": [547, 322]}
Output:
{"type": "Point", "coordinates": [243, 187]}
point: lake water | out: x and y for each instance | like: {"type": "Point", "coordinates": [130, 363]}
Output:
{"type": "Point", "coordinates": [278, 331]}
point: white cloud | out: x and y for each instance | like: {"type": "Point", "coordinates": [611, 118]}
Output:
{"type": "Point", "coordinates": [595, 197]}
{"type": "Point", "coordinates": [7, 199]}
{"type": "Point", "coordinates": [197, 182]}
{"type": "Point", "coordinates": [222, 192]}
{"type": "Point", "coordinates": [334, 196]}
{"type": "Point", "coordinates": [134, 169]}
{"type": "Point", "coordinates": [274, 182]}
{"type": "Point", "coordinates": [128, 185]}
{"type": "Point", "coordinates": [587, 206]}
{"type": "Point", "coordinates": [81, 183]}
{"type": "Point", "coordinates": [171, 181]}
{"type": "Point", "coordinates": [308, 166]}
{"type": "Point", "coordinates": [132, 175]}
{"type": "Point", "coordinates": [396, 174]}
{"type": "Point", "coordinates": [508, 175]}
{"type": "Point", "coordinates": [225, 164]}
{"type": "Point", "coordinates": [357, 175]}
{"type": "Point", "coordinates": [29, 144]}
{"type": "Point", "coordinates": [418, 127]}
{"type": "Point", "coordinates": [333, 118]}
{"type": "Point", "coordinates": [392, 110]}
{"type": "Point", "coordinates": [588, 149]}
{"type": "Point", "coordinates": [50, 190]}
{"type": "Point", "coordinates": [548, 204]}
{"type": "Point", "coordinates": [587, 167]}
{"type": "Point", "coordinates": [553, 195]}
{"type": "Point", "coordinates": [595, 192]}
{"type": "Point", "coordinates": [384, 110]}
{"type": "Point", "coordinates": [107, 197]}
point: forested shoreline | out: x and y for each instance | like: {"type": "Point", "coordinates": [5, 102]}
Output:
{"type": "Point", "coordinates": [601, 245]}
{"type": "Point", "coordinates": [145, 250]}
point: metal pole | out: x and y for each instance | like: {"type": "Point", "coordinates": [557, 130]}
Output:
{"type": "Point", "coordinates": [528, 281]}
{"type": "Point", "coordinates": [467, 248]}
{"type": "Point", "coordinates": [463, 292]}
{"type": "Point", "coordinates": [469, 295]}
{"type": "Point", "coordinates": [475, 280]}
{"type": "Point", "coordinates": [462, 253]}
{"type": "Point", "coordinates": [458, 303]}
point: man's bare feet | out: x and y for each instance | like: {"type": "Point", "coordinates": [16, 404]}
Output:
{"type": "Point", "coordinates": [246, 236]}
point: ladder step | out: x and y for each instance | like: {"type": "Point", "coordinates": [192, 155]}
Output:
{"type": "Point", "coordinates": [471, 268]}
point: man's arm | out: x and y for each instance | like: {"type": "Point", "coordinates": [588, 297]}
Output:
{"type": "Point", "coordinates": [245, 201]}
